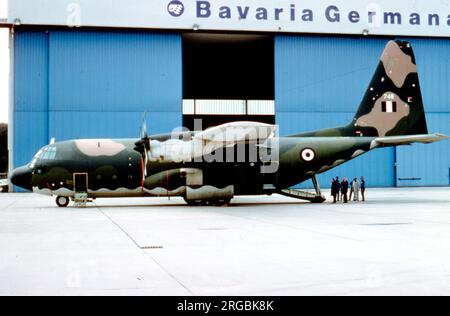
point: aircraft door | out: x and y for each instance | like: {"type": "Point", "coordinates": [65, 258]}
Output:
{"type": "Point", "coordinates": [80, 182]}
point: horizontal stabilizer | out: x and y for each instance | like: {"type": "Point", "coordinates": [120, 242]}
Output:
{"type": "Point", "coordinates": [405, 140]}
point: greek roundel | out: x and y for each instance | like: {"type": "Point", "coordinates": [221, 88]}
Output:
{"type": "Point", "coordinates": [308, 154]}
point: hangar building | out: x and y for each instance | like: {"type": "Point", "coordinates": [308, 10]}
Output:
{"type": "Point", "coordinates": [89, 69]}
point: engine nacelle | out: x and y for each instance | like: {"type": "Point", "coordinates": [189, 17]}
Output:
{"type": "Point", "coordinates": [169, 180]}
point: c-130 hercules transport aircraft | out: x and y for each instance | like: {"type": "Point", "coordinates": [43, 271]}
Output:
{"type": "Point", "coordinates": [243, 158]}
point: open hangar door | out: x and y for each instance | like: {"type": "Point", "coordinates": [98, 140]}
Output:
{"type": "Point", "coordinates": [226, 78]}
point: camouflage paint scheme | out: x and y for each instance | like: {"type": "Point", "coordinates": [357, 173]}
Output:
{"type": "Point", "coordinates": [391, 113]}
{"type": "Point", "coordinates": [395, 79]}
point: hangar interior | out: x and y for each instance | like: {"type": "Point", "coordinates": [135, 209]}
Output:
{"type": "Point", "coordinates": [91, 83]}
{"type": "Point", "coordinates": [234, 68]}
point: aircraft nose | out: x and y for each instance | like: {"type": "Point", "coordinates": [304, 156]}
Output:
{"type": "Point", "coordinates": [21, 177]}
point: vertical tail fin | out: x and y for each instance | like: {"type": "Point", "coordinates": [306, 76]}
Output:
{"type": "Point", "coordinates": [392, 105]}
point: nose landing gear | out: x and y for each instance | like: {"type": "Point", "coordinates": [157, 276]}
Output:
{"type": "Point", "coordinates": [62, 201]}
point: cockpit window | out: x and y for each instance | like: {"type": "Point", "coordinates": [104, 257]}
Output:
{"type": "Point", "coordinates": [47, 153]}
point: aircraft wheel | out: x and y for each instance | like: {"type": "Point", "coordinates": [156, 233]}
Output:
{"type": "Point", "coordinates": [194, 202]}
{"type": "Point", "coordinates": [62, 201]}
{"type": "Point", "coordinates": [222, 202]}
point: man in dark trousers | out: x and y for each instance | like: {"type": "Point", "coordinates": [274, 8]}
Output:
{"type": "Point", "coordinates": [334, 189]}
{"type": "Point", "coordinates": [344, 189]}
{"type": "Point", "coordinates": [363, 189]}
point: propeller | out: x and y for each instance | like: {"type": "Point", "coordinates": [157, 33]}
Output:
{"type": "Point", "coordinates": [143, 132]}
{"type": "Point", "coordinates": [143, 146]}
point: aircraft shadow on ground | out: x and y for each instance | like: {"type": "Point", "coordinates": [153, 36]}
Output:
{"type": "Point", "coordinates": [173, 205]}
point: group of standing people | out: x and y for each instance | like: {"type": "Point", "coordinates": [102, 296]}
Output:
{"type": "Point", "coordinates": [339, 190]}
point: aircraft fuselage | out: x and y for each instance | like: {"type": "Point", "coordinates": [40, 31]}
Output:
{"type": "Point", "coordinates": [118, 172]}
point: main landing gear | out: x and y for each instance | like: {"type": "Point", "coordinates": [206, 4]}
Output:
{"type": "Point", "coordinates": [216, 202]}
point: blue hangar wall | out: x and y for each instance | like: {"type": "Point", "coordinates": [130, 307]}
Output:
{"type": "Point", "coordinates": [77, 84]}
{"type": "Point", "coordinates": [81, 84]}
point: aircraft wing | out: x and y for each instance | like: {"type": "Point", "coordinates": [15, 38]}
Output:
{"type": "Point", "coordinates": [210, 140]}
{"type": "Point", "coordinates": [409, 139]}
{"type": "Point", "coordinates": [237, 132]}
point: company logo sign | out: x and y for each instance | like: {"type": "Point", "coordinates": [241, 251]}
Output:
{"type": "Point", "coordinates": [289, 15]}
{"type": "Point", "coordinates": [360, 17]}
{"type": "Point", "coordinates": [175, 8]}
